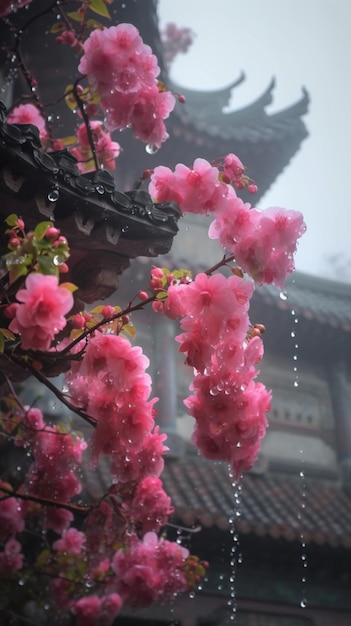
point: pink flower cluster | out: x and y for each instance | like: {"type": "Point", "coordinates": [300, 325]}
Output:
{"type": "Point", "coordinates": [11, 516]}
{"type": "Point", "coordinates": [112, 386]}
{"type": "Point", "coordinates": [196, 190]}
{"type": "Point", "coordinates": [57, 456]}
{"type": "Point", "coordinates": [175, 39]}
{"type": "Point", "coordinates": [228, 405]}
{"type": "Point", "coordinates": [150, 506]}
{"type": "Point", "coordinates": [11, 558]}
{"type": "Point", "coordinates": [106, 149]}
{"type": "Point", "coordinates": [41, 312]}
{"type": "Point", "coordinates": [263, 242]}
{"type": "Point", "coordinates": [97, 611]}
{"type": "Point", "coordinates": [123, 71]}
{"type": "Point", "coordinates": [29, 114]}
{"type": "Point", "coordinates": [150, 571]}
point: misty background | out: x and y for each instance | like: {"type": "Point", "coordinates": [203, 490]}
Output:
{"type": "Point", "coordinates": [302, 43]}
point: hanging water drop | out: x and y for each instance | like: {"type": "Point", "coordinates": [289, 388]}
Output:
{"type": "Point", "coordinates": [54, 195]}
{"type": "Point", "coordinates": [283, 295]}
{"type": "Point", "coordinates": [151, 149]}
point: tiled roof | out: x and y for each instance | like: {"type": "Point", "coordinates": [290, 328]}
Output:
{"type": "Point", "coordinates": [321, 308]}
{"type": "Point", "coordinates": [273, 505]}
{"type": "Point", "coordinates": [265, 142]}
{"type": "Point", "coordinates": [278, 506]}
{"type": "Point", "coordinates": [251, 123]}
{"type": "Point", "coordinates": [325, 301]}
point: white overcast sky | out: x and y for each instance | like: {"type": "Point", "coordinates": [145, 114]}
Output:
{"type": "Point", "coordinates": [301, 43]}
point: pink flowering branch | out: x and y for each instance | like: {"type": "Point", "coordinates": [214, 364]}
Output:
{"type": "Point", "coordinates": [86, 120]}
{"type": "Point", "coordinates": [26, 365]}
{"type": "Point", "coordinates": [73, 508]}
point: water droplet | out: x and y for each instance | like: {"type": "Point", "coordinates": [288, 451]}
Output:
{"type": "Point", "coordinates": [100, 189]}
{"type": "Point", "coordinates": [54, 195]}
{"type": "Point", "coordinates": [151, 149]}
{"type": "Point", "coordinates": [283, 295]}
{"type": "Point", "coordinates": [124, 229]}
{"type": "Point", "coordinates": [303, 603]}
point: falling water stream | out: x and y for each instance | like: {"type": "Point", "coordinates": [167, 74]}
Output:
{"type": "Point", "coordinates": [234, 556]}
{"type": "Point", "coordinates": [302, 505]}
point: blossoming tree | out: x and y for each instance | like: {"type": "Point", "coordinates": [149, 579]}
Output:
{"type": "Point", "coordinates": [60, 555]}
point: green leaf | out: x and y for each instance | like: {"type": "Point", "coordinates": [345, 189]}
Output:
{"type": "Point", "coordinates": [57, 28]}
{"type": "Point", "coordinates": [46, 265]}
{"type": "Point", "coordinates": [99, 7]}
{"type": "Point", "coordinates": [129, 329]}
{"type": "Point", "coordinates": [93, 24]}
{"type": "Point", "coordinates": [12, 219]}
{"type": "Point", "coordinates": [69, 141]}
{"type": "Point", "coordinates": [76, 16]}
{"type": "Point", "coordinates": [70, 286]}
{"type": "Point", "coordinates": [40, 229]}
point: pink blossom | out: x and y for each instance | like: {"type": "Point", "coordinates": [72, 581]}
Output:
{"type": "Point", "coordinates": [162, 186]}
{"type": "Point", "coordinates": [72, 541]}
{"type": "Point", "coordinates": [150, 570]}
{"type": "Point", "coordinates": [116, 58]}
{"type": "Point", "coordinates": [233, 222]}
{"type": "Point", "coordinates": [175, 40]}
{"type": "Point", "coordinates": [11, 516]}
{"type": "Point", "coordinates": [31, 423]}
{"type": "Point", "coordinates": [148, 113]}
{"type": "Point", "coordinates": [209, 297]}
{"type": "Point", "coordinates": [87, 611]}
{"type": "Point", "coordinates": [106, 149]}
{"type": "Point", "coordinates": [150, 506]}
{"type": "Point", "coordinates": [57, 519]}
{"type": "Point", "coordinates": [145, 460]}
{"type": "Point", "coordinates": [28, 114]}
{"type": "Point", "coordinates": [117, 108]}
{"type": "Point", "coordinates": [123, 70]}
{"type": "Point", "coordinates": [110, 606]}
{"type": "Point", "coordinates": [11, 558]}
{"type": "Point", "coordinates": [138, 578]}
{"type": "Point", "coordinates": [196, 190]}
{"type": "Point", "coordinates": [233, 167]}
{"type": "Point", "coordinates": [67, 38]}
{"type": "Point", "coordinates": [40, 315]}
{"type": "Point", "coordinates": [173, 305]}
{"type": "Point", "coordinates": [95, 611]}
{"type": "Point", "coordinates": [263, 242]}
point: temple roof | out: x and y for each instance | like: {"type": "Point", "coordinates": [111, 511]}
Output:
{"type": "Point", "coordinates": [251, 123]}
{"type": "Point", "coordinates": [321, 307]}
{"type": "Point", "coordinates": [264, 142]}
{"type": "Point", "coordinates": [279, 506]}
